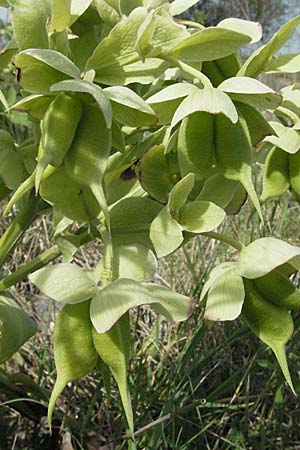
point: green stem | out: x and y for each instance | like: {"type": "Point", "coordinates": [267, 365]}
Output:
{"type": "Point", "coordinates": [191, 71]}
{"type": "Point", "coordinates": [19, 225]}
{"type": "Point", "coordinates": [37, 263]}
{"type": "Point", "coordinates": [225, 239]}
{"type": "Point", "coordinates": [191, 24]}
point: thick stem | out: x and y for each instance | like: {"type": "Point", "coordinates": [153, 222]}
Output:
{"type": "Point", "coordinates": [225, 239]}
{"type": "Point", "coordinates": [19, 225]}
{"type": "Point", "coordinates": [37, 263]}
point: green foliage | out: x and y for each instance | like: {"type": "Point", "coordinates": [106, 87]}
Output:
{"type": "Point", "coordinates": [146, 131]}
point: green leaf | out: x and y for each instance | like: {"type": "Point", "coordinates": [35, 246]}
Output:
{"type": "Point", "coordinates": [78, 7]}
{"type": "Point", "coordinates": [61, 14]}
{"type": "Point", "coordinates": [133, 261]}
{"type": "Point", "coordinates": [215, 274]}
{"type": "Point", "coordinates": [225, 297]}
{"type": "Point", "coordinates": [109, 11]}
{"type": "Point", "coordinates": [196, 145]}
{"type": "Point", "coordinates": [218, 190]}
{"type": "Point", "coordinates": [250, 91]}
{"type": "Point", "coordinates": [12, 170]}
{"type": "Point", "coordinates": [129, 108]}
{"type": "Point", "coordinates": [200, 216]}
{"type": "Point", "coordinates": [157, 173]}
{"type": "Point", "coordinates": [258, 61]}
{"type": "Point", "coordinates": [77, 203]}
{"type": "Point", "coordinates": [29, 19]}
{"type": "Point", "coordinates": [74, 352]}
{"type": "Point", "coordinates": [278, 289]}
{"type": "Point", "coordinates": [251, 29]}
{"type": "Point", "coordinates": [174, 307]}
{"type": "Point", "coordinates": [36, 105]}
{"type": "Point", "coordinates": [211, 100]}
{"type": "Point", "coordinates": [287, 139]}
{"type": "Point", "coordinates": [257, 124]}
{"type": "Point", "coordinates": [165, 233]}
{"type": "Point", "coordinates": [166, 101]}
{"type": "Point", "coordinates": [113, 348]}
{"type": "Point", "coordinates": [64, 282]}
{"type": "Point", "coordinates": [271, 324]}
{"type": "Point", "coordinates": [40, 68]}
{"type": "Point", "coordinates": [179, 6]}
{"type": "Point", "coordinates": [233, 153]}
{"type": "Point", "coordinates": [86, 87]}
{"type": "Point", "coordinates": [118, 48]}
{"type": "Point", "coordinates": [130, 220]}
{"type": "Point", "coordinates": [205, 45]}
{"type": "Point", "coordinates": [180, 192]}
{"type": "Point", "coordinates": [289, 63]}
{"type": "Point", "coordinates": [276, 177]}
{"type": "Point", "coordinates": [263, 255]}
{"type": "Point", "coordinates": [7, 53]}
{"type": "Point", "coordinates": [16, 327]}
{"type": "Point", "coordinates": [114, 300]}
{"type": "Point", "coordinates": [4, 3]}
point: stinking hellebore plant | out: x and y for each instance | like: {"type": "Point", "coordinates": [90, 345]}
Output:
{"type": "Point", "coordinates": [146, 132]}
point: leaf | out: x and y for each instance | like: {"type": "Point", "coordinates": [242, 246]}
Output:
{"type": "Point", "coordinates": [263, 255]}
{"type": "Point", "coordinates": [16, 327]}
{"type": "Point", "coordinates": [78, 7]}
{"type": "Point", "coordinates": [40, 68]}
{"type": "Point", "coordinates": [288, 63]}
{"type": "Point", "coordinates": [93, 90]}
{"type": "Point", "coordinates": [205, 45]}
{"type": "Point", "coordinates": [129, 108]}
{"type": "Point", "coordinates": [257, 124]}
{"type": "Point", "coordinates": [200, 216]}
{"type": "Point", "coordinates": [233, 153]}
{"type": "Point", "coordinates": [179, 6]}
{"type": "Point", "coordinates": [133, 261]}
{"type": "Point", "coordinates": [36, 105]}
{"type": "Point", "coordinates": [251, 29]}
{"type": "Point", "coordinates": [196, 145]}
{"type": "Point", "coordinates": [214, 275]}
{"type": "Point", "coordinates": [276, 177]}
{"type": "Point", "coordinates": [278, 289]}
{"type": "Point", "coordinates": [287, 139]}
{"type": "Point", "coordinates": [114, 300]}
{"type": "Point", "coordinates": [271, 324]}
{"type": "Point", "coordinates": [218, 190]}
{"type": "Point", "coordinates": [173, 306]}
{"type": "Point", "coordinates": [118, 48]}
{"type": "Point", "coordinates": [258, 61]}
{"type": "Point", "coordinates": [77, 203]}
{"type": "Point", "coordinates": [74, 352]}
{"type": "Point", "coordinates": [113, 348]}
{"type": "Point", "coordinates": [165, 233]}
{"type": "Point", "coordinates": [180, 192]}
{"type": "Point", "coordinates": [130, 220]}
{"type": "Point", "coordinates": [138, 72]}
{"type": "Point", "coordinates": [29, 15]}
{"type": "Point", "coordinates": [211, 100]}
{"type": "Point", "coordinates": [12, 170]}
{"type": "Point", "coordinates": [250, 91]}
{"type": "Point", "coordinates": [64, 282]}
{"type": "Point", "coordinates": [157, 172]}
{"type": "Point", "coordinates": [109, 11]}
{"type": "Point", "coordinates": [61, 14]}
{"type": "Point", "coordinates": [166, 101]}
{"type": "Point", "coordinates": [7, 53]}
{"type": "Point", "coordinates": [225, 297]}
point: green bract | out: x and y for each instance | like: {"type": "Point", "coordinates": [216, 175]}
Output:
{"type": "Point", "coordinates": [146, 130]}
